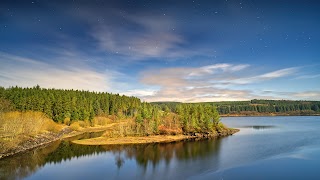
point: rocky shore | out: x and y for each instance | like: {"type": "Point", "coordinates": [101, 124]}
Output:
{"type": "Point", "coordinates": [34, 142]}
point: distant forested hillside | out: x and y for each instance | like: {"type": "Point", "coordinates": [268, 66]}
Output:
{"type": "Point", "coordinates": [258, 107]}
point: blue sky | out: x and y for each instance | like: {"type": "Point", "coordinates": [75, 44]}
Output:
{"type": "Point", "coordinates": [187, 51]}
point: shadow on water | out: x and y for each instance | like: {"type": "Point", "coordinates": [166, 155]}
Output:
{"type": "Point", "coordinates": [260, 127]}
{"type": "Point", "coordinates": [24, 165]}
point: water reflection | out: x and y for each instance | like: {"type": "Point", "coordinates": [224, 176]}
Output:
{"type": "Point", "coordinates": [153, 154]}
{"type": "Point", "coordinates": [259, 127]}
{"type": "Point", "coordinates": [259, 140]}
{"type": "Point", "coordinates": [23, 165]}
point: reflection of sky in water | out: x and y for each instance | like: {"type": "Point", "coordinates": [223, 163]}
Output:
{"type": "Point", "coordinates": [300, 164]}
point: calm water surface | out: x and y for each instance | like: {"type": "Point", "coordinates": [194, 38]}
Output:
{"type": "Point", "coordinates": [265, 148]}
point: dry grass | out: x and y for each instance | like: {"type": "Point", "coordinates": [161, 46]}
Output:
{"type": "Point", "coordinates": [101, 121]}
{"type": "Point", "coordinates": [131, 140]}
{"type": "Point", "coordinates": [169, 131]}
{"type": "Point", "coordinates": [16, 127]}
{"type": "Point", "coordinates": [75, 126]}
{"type": "Point", "coordinates": [51, 126]}
{"type": "Point", "coordinates": [67, 121]}
{"type": "Point", "coordinates": [80, 125]}
{"type": "Point", "coordinates": [26, 123]}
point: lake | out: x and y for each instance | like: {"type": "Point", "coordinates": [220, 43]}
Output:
{"type": "Point", "coordinates": [265, 148]}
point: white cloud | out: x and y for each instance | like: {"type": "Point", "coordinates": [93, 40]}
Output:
{"type": "Point", "coordinates": [207, 83]}
{"type": "Point", "coordinates": [26, 72]}
{"type": "Point", "coordinates": [139, 92]}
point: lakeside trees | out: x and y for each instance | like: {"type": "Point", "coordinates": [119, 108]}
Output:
{"type": "Point", "coordinates": [66, 106]}
{"type": "Point", "coordinates": [258, 107]}
{"type": "Point", "coordinates": [69, 106]}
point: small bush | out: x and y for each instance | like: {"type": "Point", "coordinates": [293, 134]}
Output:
{"type": "Point", "coordinates": [101, 121]}
{"type": "Point", "coordinates": [75, 126]}
{"type": "Point", "coordinates": [169, 131]}
{"type": "Point", "coordinates": [67, 121]}
{"type": "Point", "coordinates": [84, 124]}
{"type": "Point", "coordinates": [53, 127]}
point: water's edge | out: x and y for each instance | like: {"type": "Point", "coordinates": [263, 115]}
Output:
{"type": "Point", "coordinates": [48, 138]}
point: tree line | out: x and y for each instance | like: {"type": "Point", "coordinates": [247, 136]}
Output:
{"type": "Point", "coordinates": [74, 104]}
{"type": "Point", "coordinates": [256, 107]}
{"type": "Point", "coordinates": [142, 118]}
{"type": "Point", "coordinates": [270, 106]}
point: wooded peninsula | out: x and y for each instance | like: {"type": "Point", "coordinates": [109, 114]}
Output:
{"type": "Point", "coordinates": [33, 116]}
{"type": "Point", "coordinates": [26, 113]}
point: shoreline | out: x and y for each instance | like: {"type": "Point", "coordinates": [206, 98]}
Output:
{"type": "Point", "coordinates": [48, 138]}
{"type": "Point", "coordinates": [130, 140]}
{"type": "Point", "coordinates": [35, 142]}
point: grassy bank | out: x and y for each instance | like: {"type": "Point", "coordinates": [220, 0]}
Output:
{"type": "Point", "coordinates": [22, 131]}
{"type": "Point", "coordinates": [132, 140]}
{"type": "Point", "coordinates": [16, 128]}
{"type": "Point", "coordinates": [104, 140]}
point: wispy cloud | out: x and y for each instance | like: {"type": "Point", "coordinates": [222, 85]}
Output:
{"type": "Point", "coordinates": [309, 95]}
{"type": "Point", "coordinates": [308, 76]}
{"type": "Point", "coordinates": [291, 95]}
{"type": "Point", "coordinates": [26, 72]}
{"type": "Point", "coordinates": [267, 76]}
{"type": "Point", "coordinates": [207, 83]}
{"type": "Point", "coordinates": [278, 73]}
{"type": "Point", "coordinates": [155, 38]}
{"type": "Point", "coordinates": [216, 68]}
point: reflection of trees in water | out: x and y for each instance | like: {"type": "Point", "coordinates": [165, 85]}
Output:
{"type": "Point", "coordinates": [67, 151]}
{"type": "Point", "coordinates": [119, 160]}
{"type": "Point", "coordinates": [258, 127]}
{"type": "Point", "coordinates": [155, 153]}
{"type": "Point", "coordinates": [24, 164]}
{"type": "Point", "coordinates": [85, 136]}
{"type": "Point", "coordinates": [143, 154]}
{"type": "Point", "coordinates": [198, 149]}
